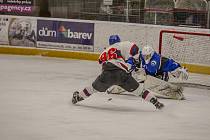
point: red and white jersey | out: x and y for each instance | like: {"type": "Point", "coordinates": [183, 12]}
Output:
{"type": "Point", "coordinates": [118, 53]}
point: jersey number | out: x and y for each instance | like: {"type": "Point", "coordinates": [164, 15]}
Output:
{"type": "Point", "coordinates": [111, 54]}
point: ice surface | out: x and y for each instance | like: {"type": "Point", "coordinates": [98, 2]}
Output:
{"type": "Point", "coordinates": [35, 95]}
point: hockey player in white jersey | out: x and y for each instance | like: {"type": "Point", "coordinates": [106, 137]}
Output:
{"type": "Point", "coordinates": [115, 71]}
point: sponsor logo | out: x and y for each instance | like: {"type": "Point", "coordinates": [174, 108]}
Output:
{"type": "Point", "coordinates": [67, 33]}
{"type": "Point", "coordinates": [63, 32]}
{"type": "Point", "coordinates": [15, 8]}
{"type": "Point", "coordinates": [47, 33]}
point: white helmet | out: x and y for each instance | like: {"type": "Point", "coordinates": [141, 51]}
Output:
{"type": "Point", "coordinates": [147, 51]}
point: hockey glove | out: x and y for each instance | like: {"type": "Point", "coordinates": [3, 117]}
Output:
{"type": "Point", "coordinates": [131, 64]}
{"type": "Point", "coordinates": [180, 72]}
{"type": "Point", "coordinates": [184, 73]}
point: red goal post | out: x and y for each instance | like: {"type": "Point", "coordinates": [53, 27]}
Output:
{"type": "Point", "coordinates": [185, 47]}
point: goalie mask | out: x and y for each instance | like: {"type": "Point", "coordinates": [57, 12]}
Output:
{"type": "Point", "coordinates": [147, 52]}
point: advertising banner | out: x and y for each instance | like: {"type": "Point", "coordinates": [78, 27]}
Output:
{"type": "Point", "coordinates": [16, 6]}
{"type": "Point", "coordinates": [65, 35]}
{"type": "Point", "coordinates": [4, 25]}
{"type": "Point", "coordinates": [22, 32]}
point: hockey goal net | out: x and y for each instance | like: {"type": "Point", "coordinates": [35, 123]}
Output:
{"type": "Point", "coordinates": [185, 47]}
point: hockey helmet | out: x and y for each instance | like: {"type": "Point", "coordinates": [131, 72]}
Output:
{"type": "Point", "coordinates": [134, 50]}
{"type": "Point", "coordinates": [147, 52]}
{"type": "Point", "coordinates": [114, 39]}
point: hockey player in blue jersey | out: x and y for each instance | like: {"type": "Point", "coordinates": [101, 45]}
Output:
{"type": "Point", "coordinates": [158, 66]}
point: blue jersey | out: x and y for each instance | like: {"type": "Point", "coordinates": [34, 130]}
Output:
{"type": "Point", "coordinates": [158, 65]}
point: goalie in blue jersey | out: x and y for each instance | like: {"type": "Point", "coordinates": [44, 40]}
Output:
{"type": "Point", "coordinates": [158, 66]}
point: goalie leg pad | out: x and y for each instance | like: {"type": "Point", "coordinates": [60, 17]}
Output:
{"type": "Point", "coordinates": [163, 89]}
{"type": "Point", "coordinates": [167, 91]}
{"type": "Point", "coordinates": [139, 90]}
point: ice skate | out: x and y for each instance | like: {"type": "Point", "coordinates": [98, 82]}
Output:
{"type": "Point", "coordinates": [76, 98]}
{"type": "Point", "coordinates": [159, 105]}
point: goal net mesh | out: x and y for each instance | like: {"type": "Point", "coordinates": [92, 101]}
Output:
{"type": "Point", "coordinates": [191, 4]}
{"type": "Point", "coordinates": [186, 47]}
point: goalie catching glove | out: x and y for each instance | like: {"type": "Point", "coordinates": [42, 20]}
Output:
{"type": "Point", "coordinates": [180, 72]}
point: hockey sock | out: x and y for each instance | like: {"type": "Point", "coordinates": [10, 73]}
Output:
{"type": "Point", "coordinates": [86, 92]}
{"type": "Point", "coordinates": [149, 97]}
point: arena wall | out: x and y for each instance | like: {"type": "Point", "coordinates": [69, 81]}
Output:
{"type": "Point", "coordinates": [80, 39]}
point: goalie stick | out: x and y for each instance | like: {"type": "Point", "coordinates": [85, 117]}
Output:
{"type": "Point", "coordinates": [192, 85]}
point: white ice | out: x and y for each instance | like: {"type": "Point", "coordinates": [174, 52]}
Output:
{"type": "Point", "coordinates": [35, 104]}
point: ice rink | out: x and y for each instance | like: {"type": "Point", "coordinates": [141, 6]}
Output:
{"type": "Point", "coordinates": [35, 104]}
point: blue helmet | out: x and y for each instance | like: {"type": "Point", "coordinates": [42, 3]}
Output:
{"type": "Point", "coordinates": [114, 39]}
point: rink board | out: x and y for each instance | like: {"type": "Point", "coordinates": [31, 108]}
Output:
{"type": "Point", "coordinates": [50, 53]}
{"type": "Point", "coordinates": [80, 55]}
